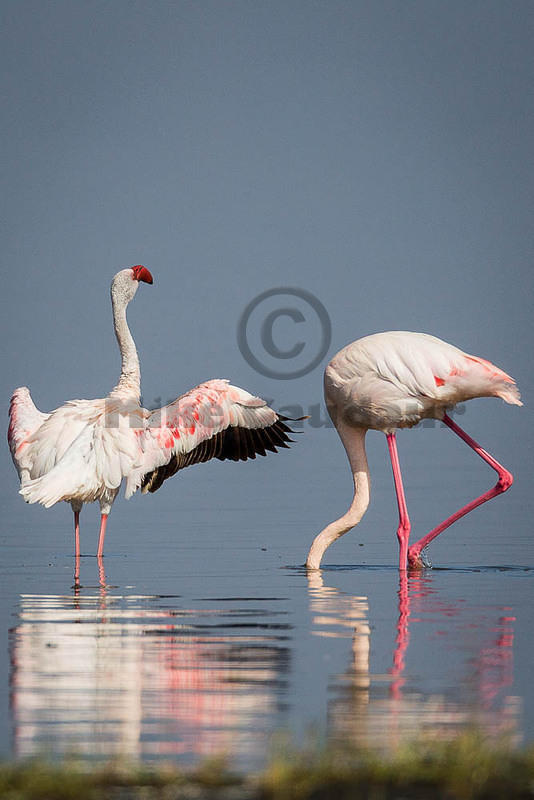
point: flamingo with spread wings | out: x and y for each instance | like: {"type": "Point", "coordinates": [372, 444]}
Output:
{"type": "Point", "coordinates": [82, 451]}
{"type": "Point", "coordinates": [394, 380]}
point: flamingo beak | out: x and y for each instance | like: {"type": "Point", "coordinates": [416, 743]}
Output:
{"type": "Point", "coordinates": [141, 273]}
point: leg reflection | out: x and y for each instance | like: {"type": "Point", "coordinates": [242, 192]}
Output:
{"type": "Point", "coordinates": [459, 674]}
{"type": "Point", "coordinates": [101, 576]}
{"type": "Point", "coordinates": [403, 637]}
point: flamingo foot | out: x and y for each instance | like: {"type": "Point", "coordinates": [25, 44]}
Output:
{"type": "Point", "coordinates": [418, 558]}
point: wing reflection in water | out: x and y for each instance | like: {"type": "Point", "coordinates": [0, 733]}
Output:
{"type": "Point", "coordinates": [103, 674]}
{"type": "Point", "coordinates": [382, 710]}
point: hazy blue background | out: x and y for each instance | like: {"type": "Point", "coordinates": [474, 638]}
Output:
{"type": "Point", "coordinates": [377, 154]}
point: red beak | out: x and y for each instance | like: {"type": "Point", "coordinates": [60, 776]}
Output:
{"type": "Point", "coordinates": [141, 273]}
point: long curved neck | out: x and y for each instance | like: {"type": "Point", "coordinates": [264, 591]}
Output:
{"type": "Point", "coordinates": [130, 378]}
{"type": "Point", "coordinates": [354, 442]}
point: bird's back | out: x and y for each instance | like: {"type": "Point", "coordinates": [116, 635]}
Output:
{"type": "Point", "coordinates": [395, 379]}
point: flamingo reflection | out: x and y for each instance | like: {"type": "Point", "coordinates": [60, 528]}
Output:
{"type": "Point", "coordinates": [383, 709]}
{"type": "Point", "coordinates": [143, 676]}
{"type": "Point", "coordinates": [492, 664]}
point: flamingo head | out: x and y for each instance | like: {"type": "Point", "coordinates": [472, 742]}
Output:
{"type": "Point", "coordinates": [126, 282]}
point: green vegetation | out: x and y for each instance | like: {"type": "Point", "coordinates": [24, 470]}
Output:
{"type": "Point", "coordinates": [468, 768]}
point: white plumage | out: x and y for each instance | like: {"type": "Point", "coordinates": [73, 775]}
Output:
{"type": "Point", "coordinates": [82, 451]}
{"type": "Point", "coordinates": [395, 379]}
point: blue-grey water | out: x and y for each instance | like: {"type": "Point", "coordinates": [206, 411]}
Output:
{"type": "Point", "coordinates": [200, 633]}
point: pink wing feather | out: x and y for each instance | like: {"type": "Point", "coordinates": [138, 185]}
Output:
{"type": "Point", "coordinates": [214, 420]}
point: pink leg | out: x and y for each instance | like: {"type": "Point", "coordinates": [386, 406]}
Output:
{"type": "Point", "coordinates": [77, 534]}
{"type": "Point", "coordinates": [76, 573]}
{"type": "Point", "coordinates": [403, 531]}
{"type": "Point", "coordinates": [504, 482]}
{"type": "Point", "coordinates": [103, 523]}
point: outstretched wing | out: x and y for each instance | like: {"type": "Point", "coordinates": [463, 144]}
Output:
{"type": "Point", "coordinates": [214, 420]}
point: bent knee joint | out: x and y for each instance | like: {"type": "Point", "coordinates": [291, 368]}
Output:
{"type": "Point", "coordinates": [505, 480]}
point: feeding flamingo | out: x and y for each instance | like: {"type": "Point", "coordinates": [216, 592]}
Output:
{"type": "Point", "coordinates": [82, 451]}
{"type": "Point", "coordinates": [394, 380]}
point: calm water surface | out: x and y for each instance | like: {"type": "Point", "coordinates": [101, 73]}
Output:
{"type": "Point", "coordinates": [205, 636]}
